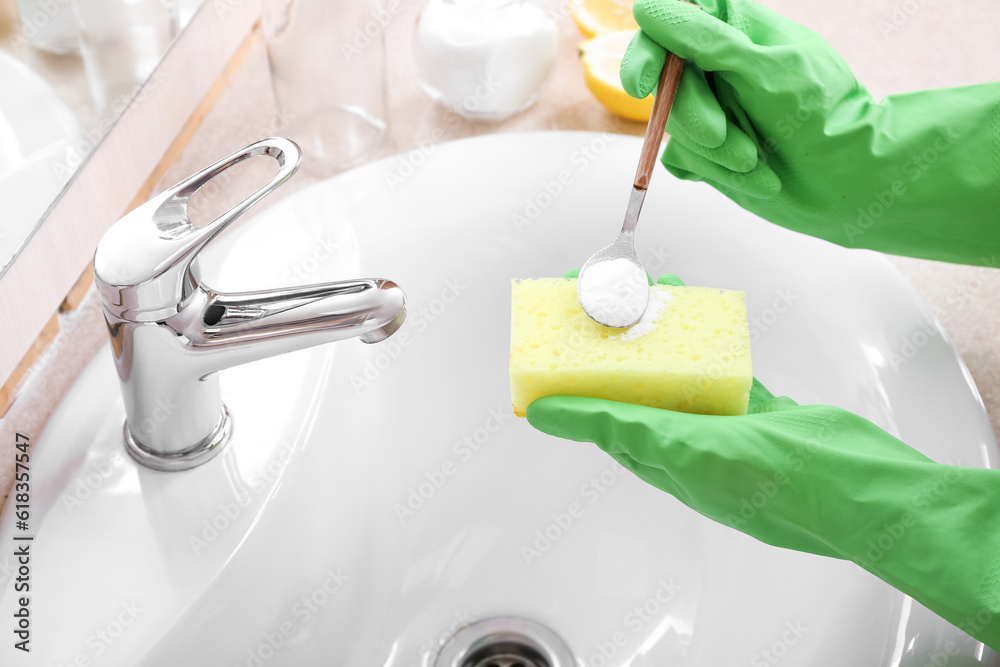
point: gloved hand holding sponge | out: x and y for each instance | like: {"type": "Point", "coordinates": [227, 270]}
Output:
{"type": "Point", "coordinates": [770, 115]}
{"type": "Point", "coordinates": [818, 479]}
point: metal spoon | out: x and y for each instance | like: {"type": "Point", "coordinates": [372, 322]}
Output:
{"type": "Point", "coordinates": [606, 280]}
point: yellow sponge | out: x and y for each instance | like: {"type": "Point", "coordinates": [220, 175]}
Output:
{"type": "Point", "coordinates": [690, 352]}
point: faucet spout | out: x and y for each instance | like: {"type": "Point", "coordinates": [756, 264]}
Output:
{"type": "Point", "coordinates": [232, 329]}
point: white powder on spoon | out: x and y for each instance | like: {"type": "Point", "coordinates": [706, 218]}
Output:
{"type": "Point", "coordinates": [614, 292]}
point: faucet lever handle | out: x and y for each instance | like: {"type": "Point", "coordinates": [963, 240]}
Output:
{"type": "Point", "coordinates": [143, 261]}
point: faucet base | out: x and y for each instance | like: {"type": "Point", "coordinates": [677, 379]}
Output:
{"type": "Point", "coordinates": [192, 457]}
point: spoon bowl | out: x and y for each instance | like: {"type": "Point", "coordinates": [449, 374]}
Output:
{"type": "Point", "coordinates": [612, 286]}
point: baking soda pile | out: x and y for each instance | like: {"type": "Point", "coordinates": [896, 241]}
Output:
{"type": "Point", "coordinates": [614, 292]}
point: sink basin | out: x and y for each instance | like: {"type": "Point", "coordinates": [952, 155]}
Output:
{"type": "Point", "coordinates": [376, 499]}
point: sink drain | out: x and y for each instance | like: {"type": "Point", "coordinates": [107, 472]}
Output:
{"type": "Point", "coordinates": [504, 641]}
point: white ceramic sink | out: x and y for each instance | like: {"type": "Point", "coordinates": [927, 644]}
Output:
{"type": "Point", "coordinates": [376, 498]}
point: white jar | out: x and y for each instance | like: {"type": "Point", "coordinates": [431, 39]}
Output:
{"type": "Point", "coordinates": [484, 59]}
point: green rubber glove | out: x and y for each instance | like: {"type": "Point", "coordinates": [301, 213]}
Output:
{"type": "Point", "coordinates": [769, 114]}
{"type": "Point", "coordinates": [818, 479]}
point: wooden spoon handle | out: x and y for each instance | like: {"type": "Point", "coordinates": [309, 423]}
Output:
{"type": "Point", "coordinates": [666, 91]}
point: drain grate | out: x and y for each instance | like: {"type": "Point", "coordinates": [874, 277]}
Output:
{"type": "Point", "coordinates": [510, 653]}
{"type": "Point", "coordinates": [504, 641]}
{"type": "Point", "coordinates": [507, 661]}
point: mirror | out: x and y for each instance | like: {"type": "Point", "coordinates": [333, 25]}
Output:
{"type": "Point", "coordinates": [68, 69]}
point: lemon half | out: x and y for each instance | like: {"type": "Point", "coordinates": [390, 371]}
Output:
{"type": "Point", "coordinates": [596, 17]}
{"type": "Point", "coordinates": [601, 58]}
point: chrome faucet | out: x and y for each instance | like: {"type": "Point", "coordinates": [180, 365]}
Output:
{"type": "Point", "coordinates": [171, 333]}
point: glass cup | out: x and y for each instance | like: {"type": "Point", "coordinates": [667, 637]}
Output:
{"type": "Point", "coordinates": [49, 25]}
{"type": "Point", "coordinates": [121, 42]}
{"type": "Point", "coordinates": [328, 70]}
